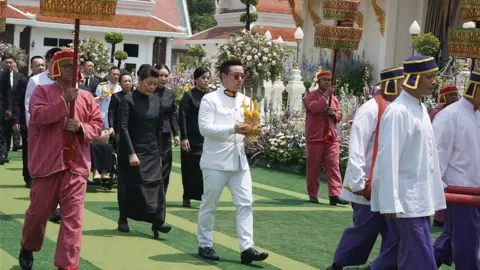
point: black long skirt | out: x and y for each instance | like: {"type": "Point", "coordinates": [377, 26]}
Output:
{"type": "Point", "coordinates": [167, 159]}
{"type": "Point", "coordinates": [192, 177]}
{"type": "Point", "coordinates": [102, 156]}
{"type": "Point", "coordinates": [141, 195]}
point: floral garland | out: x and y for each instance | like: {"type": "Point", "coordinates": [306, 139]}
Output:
{"type": "Point", "coordinates": [262, 58]}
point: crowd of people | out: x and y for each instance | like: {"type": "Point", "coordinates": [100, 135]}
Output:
{"type": "Point", "coordinates": [399, 162]}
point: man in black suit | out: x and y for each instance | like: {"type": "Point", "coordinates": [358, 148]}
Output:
{"type": "Point", "coordinates": [15, 76]}
{"type": "Point", "coordinates": [4, 94]}
{"type": "Point", "coordinates": [37, 65]}
{"type": "Point", "coordinates": [90, 80]}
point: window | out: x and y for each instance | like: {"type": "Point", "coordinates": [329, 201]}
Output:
{"type": "Point", "coordinates": [130, 67]}
{"type": "Point", "coordinates": [131, 49]}
{"type": "Point", "coordinates": [50, 42]}
{"type": "Point", "coordinates": [64, 42]}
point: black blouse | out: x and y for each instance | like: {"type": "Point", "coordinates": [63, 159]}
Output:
{"type": "Point", "coordinates": [113, 118]}
{"type": "Point", "coordinates": [188, 116]}
{"type": "Point", "coordinates": [170, 121]}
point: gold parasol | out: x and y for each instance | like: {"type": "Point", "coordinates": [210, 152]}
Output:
{"type": "Point", "coordinates": [77, 9]}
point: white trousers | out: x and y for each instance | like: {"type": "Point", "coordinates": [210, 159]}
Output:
{"type": "Point", "coordinates": [240, 185]}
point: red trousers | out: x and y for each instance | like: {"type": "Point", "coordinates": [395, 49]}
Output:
{"type": "Point", "coordinates": [68, 190]}
{"type": "Point", "coordinates": [328, 155]}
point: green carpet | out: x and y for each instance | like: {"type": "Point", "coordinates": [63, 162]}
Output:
{"type": "Point", "coordinates": [298, 234]}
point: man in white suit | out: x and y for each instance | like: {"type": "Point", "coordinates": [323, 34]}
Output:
{"type": "Point", "coordinates": [224, 162]}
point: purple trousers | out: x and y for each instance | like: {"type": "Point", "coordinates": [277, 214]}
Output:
{"type": "Point", "coordinates": [415, 249]}
{"type": "Point", "coordinates": [459, 241]}
{"type": "Point", "coordinates": [357, 241]}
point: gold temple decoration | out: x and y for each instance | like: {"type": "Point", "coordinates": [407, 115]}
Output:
{"type": "Point", "coordinates": [464, 42]}
{"type": "Point", "coordinates": [340, 10]}
{"type": "Point", "coordinates": [359, 19]}
{"type": "Point", "coordinates": [3, 15]}
{"type": "Point", "coordinates": [470, 10]}
{"type": "Point", "coordinates": [315, 18]}
{"type": "Point", "coordinates": [297, 18]}
{"type": "Point", "coordinates": [337, 37]}
{"type": "Point", "coordinates": [79, 9]}
{"type": "Point", "coordinates": [381, 16]}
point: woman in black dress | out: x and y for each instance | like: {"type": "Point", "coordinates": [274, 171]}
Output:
{"type": "Point", "coordinates": [191, 139]}
{"type": "Point", "coordinates": [170, 121]}
{"type": "Point", "coordinates": [140, 194]}
{"type": "Point", "coordinates": [126, 82]}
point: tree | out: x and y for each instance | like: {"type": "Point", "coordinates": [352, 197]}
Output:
{"type": "Point", "coordinates": [192, 59]}
{"type": "Point", "coordinates": [120, 56]}
{"type": "Point", "coordinates": [113, 38]}
{"type": "Point", "coordinates": [94, 50]}
{"type": "Point", "coordinates": [201, 14]}
{"type": "Point", "coordinates": [248, 17]}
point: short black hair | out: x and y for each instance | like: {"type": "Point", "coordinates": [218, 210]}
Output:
{"type": "Point", "coordinates": [123, 75]}
{"type": "Point", "coordinates": [147, 72]}
{"type": "Point", "coordinates": [225, 66]}
{"type": "Point", "coordinates": [199, 72]}
{"type": "Point", "coordinates": [7, 56]}
{"type": "Point", "coordinates": [162, 66]}
{"type": "Point", "coordinates": [50, 53]}
{"type": "Point", "coordinates": [142, 67]}
{"type": "Point", "coordinates": [35, 57]}
{"type": "Point", "coordinates": [113, 68]}
{"type": "Point", "coordinates": [88, 60]}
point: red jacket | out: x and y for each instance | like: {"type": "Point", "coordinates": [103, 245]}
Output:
{"type": "Point", "coordinates": [315, 106]}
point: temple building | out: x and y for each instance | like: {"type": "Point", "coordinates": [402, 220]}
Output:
{"type": "Point", "coordinates": [153, 30]}
{"type": "Point", "coordinates": [273, 15]}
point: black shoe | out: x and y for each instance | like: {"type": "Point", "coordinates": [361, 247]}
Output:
{"type": "Point", "coordinates": [187, 203]}
{"type": "Point", "coordinates": [25, 259]}
{"type": "Point", "coordinates": [28, 184]}
{"type": "Point", "coordinates": [313, 199]}
{"type": "Point", "coordinates": [123, 227]}
{"type": "Point", "coordinates": [336, 200]}
{"type": "Point", "coordinates": [7, 160]}
{"type": "Point", "coordinates": [251, 254]}
{"type": "Point", "coordinates": [160, 228]}
{"type": "Point", "coordinates": [208, 253]}
{"type": "Point", "coordinates": [55, 217]}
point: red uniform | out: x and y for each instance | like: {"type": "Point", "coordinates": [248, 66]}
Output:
{"type": "Point", "coordinates": [323, 146]}
{"type": "Point", "coordinates": [53, 181]}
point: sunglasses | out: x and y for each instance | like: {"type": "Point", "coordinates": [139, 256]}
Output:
{"type": "Point", "coordinates": [238, 76]}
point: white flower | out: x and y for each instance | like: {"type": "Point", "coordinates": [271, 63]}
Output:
{"type": "Point", "coordinates": [255, 57]}
{"type": "Point", "coordinates": [249, 58]}
{"type": "Point", "coordinates": [265, 50]}
{"type": "Point", "coordinates": [259, 65]}
{"type": "Point", "coordinates": [265, 59]}
{"type": "Point", "coordinates": [280, 134]}
{"type": "Point", "coordinates": [274, 62]}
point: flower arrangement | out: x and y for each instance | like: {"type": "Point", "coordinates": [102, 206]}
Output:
{"type": "Point", "coordinates": [262, 58]}
{"type": "Point", "coordinates": [18, 54]}
{"type": "Point", "coordinates": [94, 50]}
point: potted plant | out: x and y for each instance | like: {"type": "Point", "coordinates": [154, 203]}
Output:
{"type": "Point", "coordinates": [426, 44]}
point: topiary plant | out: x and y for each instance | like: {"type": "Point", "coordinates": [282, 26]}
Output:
{"type": "Point", "coordinates": [113, 38]}
{"type": "Point", "coordinates": [426, 44]}
{"type": "Point", "coordinates": [120, 56]}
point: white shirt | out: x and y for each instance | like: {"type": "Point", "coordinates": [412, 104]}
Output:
{"type": "Point", "coordinates": [103, 89]}
{"type": "Point", "coordinates": [222, 149]}
{"type": "Point", "coordinates": [406, 178]}
{"type": "Point", "coordinates": [360, 151]}
{"type": "Point", "coordinates": [457, 133]}
{"type": "Point", "coordinates": [33, 82]}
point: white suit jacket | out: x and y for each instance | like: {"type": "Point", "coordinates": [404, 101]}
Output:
{"type": "Point", "coordinates": [222, 149]}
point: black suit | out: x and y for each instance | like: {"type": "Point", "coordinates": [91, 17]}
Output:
{"type": "Point", "coordinates": [9, 132]}
{"type": "Point", "coordinates": [18, 111]}
{"type": "Point", "coordinates": [5, 92]}
{"type": "Point", "coordinates": [91, 83]}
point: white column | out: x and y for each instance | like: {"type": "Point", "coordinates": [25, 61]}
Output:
{"type": "Point", "coordinates": [16, 34]}
{"type": "Point", "coordinates": [150, 50]}
{"type": "Point", "coordinates": [168, 53]}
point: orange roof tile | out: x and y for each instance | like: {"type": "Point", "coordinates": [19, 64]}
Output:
{"type": "Point", "coordinates": [12, 14]}
{"type": "Point", "coordinates": [217, 33]}
{"type": "Point", "coordinates": [119, 21]}
{"type": "Point", "coordinates": [279, 6]}
{"type": "Point", "coordinates": [167, 10]}
{"type": "Point", "coordinates": [288, 34]}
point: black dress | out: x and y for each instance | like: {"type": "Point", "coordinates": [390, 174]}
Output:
{"type": "Point", "coordinates": [113, 115]}
{"type": "Point", "coordinates": [140, 188]}
{"type": "Point", "coordinates": [170, 126]}
{"type": "Point", "coordinates": [192, 178]}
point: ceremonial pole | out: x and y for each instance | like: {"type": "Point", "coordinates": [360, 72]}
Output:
{"type": "Point", "coordinates": [77, 9]}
